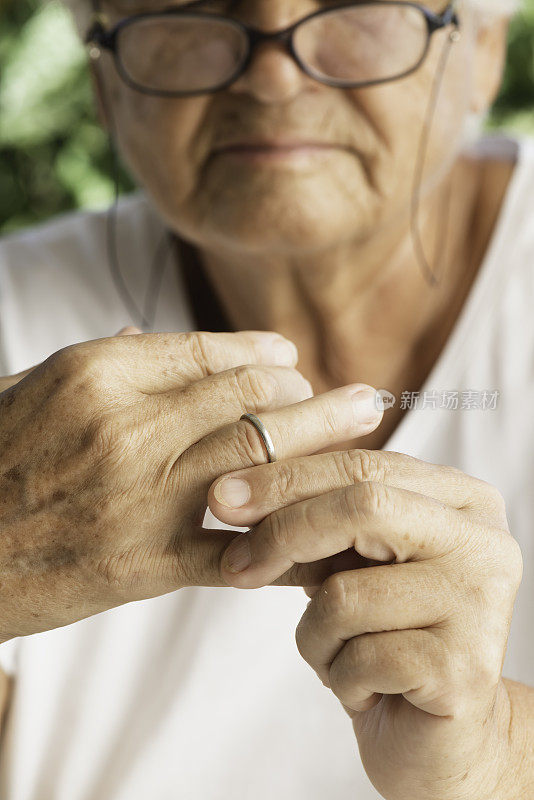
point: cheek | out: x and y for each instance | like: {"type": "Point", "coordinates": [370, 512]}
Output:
{"type": "Point", "coordinates": [399, 113]}
{"type": "Point", "coordinates": [164, 142]}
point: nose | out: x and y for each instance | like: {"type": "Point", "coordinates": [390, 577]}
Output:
{"type": "Point", "coordinates": [272, 77]}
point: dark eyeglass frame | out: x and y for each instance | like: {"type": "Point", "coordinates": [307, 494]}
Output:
{"type": "Point", "coordinates": [98, 37]}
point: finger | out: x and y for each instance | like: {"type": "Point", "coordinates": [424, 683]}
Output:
{"type": "Point", "coordinates": [381, 522]}
{"type": "Point", "coordinates": [272, 486]}
{"type": "Point", "coordinates": [205, 407]}
{"type": "Point", "coordinates": [193, 559]}
{"type": "Point", "coordinates": [348, 604]}
{"type": "Point", "coordinates": [159, 362]}
{"type": "Point", "coordinates": [417, 664]}
{"type": "Point", "coordinates": [296, 429]}
{"type": "Point", "coordinates": [311, 576]}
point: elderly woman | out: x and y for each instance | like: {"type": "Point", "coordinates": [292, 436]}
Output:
{"type": "Point", "coordinates": [302, 159]}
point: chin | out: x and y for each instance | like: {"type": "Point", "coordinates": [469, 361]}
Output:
{"type": "Point", "coordinates": [286, 213]}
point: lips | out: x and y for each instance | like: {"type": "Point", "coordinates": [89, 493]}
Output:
{"type": "Point", "coordinates": [272, 144]}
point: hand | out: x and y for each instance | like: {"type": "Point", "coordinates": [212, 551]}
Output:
{"type": "Point", "coordinates": [108, 451]}
{"type": "Point", "coordinates": [6, 381]}
{"type": "Point", "coordinates": [413, 648]}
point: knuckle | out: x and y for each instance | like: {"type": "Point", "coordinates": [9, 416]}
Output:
{"type": "Point", "coordinates": [67, 362]}
{"type": "Point", "coordinates": [349, 504]}
{"type": "Point", "coordinates": [333, 597]}
{"type": "Point", "coordinates": [363, 653]}
{"type": "Point", "coordinates": [370, 499]}
{"type": "Point", "coordinates": [276, 534]}
{"type": "Point", "coordinates": [257, 386]}
{"type": "Point", "coordinates": [288, 481]}
{"type": "Point", "coordinates": [508, 565]}
{"type": "Point", "coordinates": [248, 445]}
{"type": "Point", "coordinates": [307, 518]}
{"type": "Point", "coordinates": [351, 672]}
{"type": "Point", "coordinates": [302, 637]}
{"type": "Point", "coordinates": [485, 496]}
{"type": "Point", "coordinates": [514, 561]}
{"type": "Point", "coordinates": [488, 669]}
{"type": "Point", "coordinates": [81, 367]}
{"type": "Point", "coordinates": [360, 466]}
{"type": "Point", "coordinates": [200, 347]}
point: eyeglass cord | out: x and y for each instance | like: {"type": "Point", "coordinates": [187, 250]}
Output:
{"type": "Point", "coordinates": [434, 278]}
{"type": "Point", "coordinates": [145, 317]}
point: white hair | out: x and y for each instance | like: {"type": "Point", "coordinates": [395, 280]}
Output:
{"type": "Point", "coordinates": [496, 7]}
{"type": "Point", "coordinates": [486, 11]}
{"type": "Point", "coordinates": [489, 10]}
{"type": "Point", "coordinates": [486, 8]}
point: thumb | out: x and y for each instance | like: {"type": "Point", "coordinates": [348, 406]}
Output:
{"type": "Point", "coordinates": [191, 557]}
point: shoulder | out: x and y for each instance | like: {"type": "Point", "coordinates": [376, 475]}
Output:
{"type": "Point", "coordinates": [506, 173]}
{"type": "Point", "coordinates": [56, 281]}
{"type": "Point", "coordinates": [506, 164]}
{"type": "Point", "coordinates": [68, 241]}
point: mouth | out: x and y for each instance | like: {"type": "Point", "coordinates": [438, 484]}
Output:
{"type": "Point", "coordinates": [276, 150]}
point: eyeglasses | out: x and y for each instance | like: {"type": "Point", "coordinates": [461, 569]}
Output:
{"type": "Point", "coordinates": [179, 52]}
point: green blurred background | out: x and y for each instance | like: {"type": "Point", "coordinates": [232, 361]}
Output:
{"type": "Point", "coordinates": [53, 155]}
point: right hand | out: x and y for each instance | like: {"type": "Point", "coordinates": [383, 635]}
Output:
{"type": "Point", "coordinates": [108, 451]}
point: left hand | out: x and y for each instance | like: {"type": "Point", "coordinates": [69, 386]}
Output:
{"type": "Point", "coordinates": [413, 648]}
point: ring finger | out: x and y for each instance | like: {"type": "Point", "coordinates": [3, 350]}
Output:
{"type": "Point", "coordinates": [297, 429]}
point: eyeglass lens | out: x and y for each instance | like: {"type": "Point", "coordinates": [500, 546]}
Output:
{"type": "Point", "coordinates": [188, 53]}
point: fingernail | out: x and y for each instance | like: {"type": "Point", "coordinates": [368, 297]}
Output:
{"type": "Point", "coordinates": [237, 556]}
{"type": "Point", "coordinates": [365, 407]}
{"type": "Point", "coordinates": [232, 492]}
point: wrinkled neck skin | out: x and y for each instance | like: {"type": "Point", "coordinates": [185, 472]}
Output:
{"type": "Point", "coordinates": [364, 311]}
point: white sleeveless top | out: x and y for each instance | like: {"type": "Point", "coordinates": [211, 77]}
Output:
{"type": "Point", "coordinates": [202, 693]}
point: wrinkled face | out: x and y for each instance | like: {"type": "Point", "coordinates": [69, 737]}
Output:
{"type": "Point", "coordinates": [303, 200]}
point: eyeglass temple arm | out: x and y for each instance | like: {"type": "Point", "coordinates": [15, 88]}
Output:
{"type": "Point", "coordinates": [450, 15]}
{"type": "Point", "coordinates": [99, 21]}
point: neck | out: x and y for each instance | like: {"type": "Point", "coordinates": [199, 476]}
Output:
{"type": "Point", "coordinates": [363, 311]}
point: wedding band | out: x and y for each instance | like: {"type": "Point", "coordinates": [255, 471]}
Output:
{"type": "Point", "coordinates": [264, 433]}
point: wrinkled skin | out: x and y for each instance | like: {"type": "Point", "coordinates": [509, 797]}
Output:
{"type": "Point", "coordinates": [413, 646]}
{"type": "Point", "coordinates": [108, 450]}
